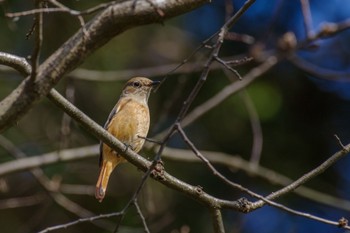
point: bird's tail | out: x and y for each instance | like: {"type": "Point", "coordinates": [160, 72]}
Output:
{"type": "Point", "coordinates": [102, 182]}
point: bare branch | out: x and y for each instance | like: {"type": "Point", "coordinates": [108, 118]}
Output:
{"type": "Point", "coordinates": [217, 220]}
{"type": "Point", "coordinates": [81, 220]}
{"type": "Point", "coordinates": [156, 71]}
{"type": "Point", "coordinates": [340, 142]}
{"type": "Point", "coordinates": [139, 212]}
{"type": "Point", "coordinates": [305, 6]}
{"type": "Point", "coordinates": [313, 173]}
{"type": "Point", "coordinates": [66, 120]}
{"type": "Point", "coordinates": [267, 200]}
{"type": "Point", "coordinates": [229, 90]}
{"type": "Point", "coordinates": [239, 164]}
{"type": "Point", "coordinates": [46, 159]}
{"type": "Point", "coordinates": [66, 9]}
{"type": "Point", "coordinates": [222, 62]}
{"type": "Point", "coordinates": [256, 129]}
{"type": "Point", "coordinates": [38, 25]}
{"type": "Point", "coordinates": [234, 162]}
{"type": "Point", "coordinates": [22, 201]}
{"type": "Point", "coordinates": [18, 63]}
{"type": "Point", "coordinates": [317, 71]}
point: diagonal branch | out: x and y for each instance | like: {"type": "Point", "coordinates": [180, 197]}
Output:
{"type": "Point", "coordinates": [80, 220]}
{"type": "Point", "coordinates": [268, 199]}
{"type": "Point", "coordinates": [142, 217]}
{"type": "Point", "coordinates": [308, 176]}
{"type": "Point", "coordinates": [231, 161]}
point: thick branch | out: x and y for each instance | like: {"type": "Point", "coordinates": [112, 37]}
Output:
{"type": "Point", "coordinates": [109, 23]}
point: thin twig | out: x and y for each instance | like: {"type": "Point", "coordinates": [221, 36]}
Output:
{"type": "Point", "coordinates": [22, 201]}
{"type": "Point", "coordinates": [66, 120]}
{"type": "Point", "coordinates": [256, 129]}
{"type": "Point", "coordinates": [38, 25]}
{"type": "Point", "coordinates": [48, 158]}
{"type": "Point", "coordinates": [319, 72]}
{"type": "Point", "coordinates": [66, 9]}
{"type": "Point", "coordinates": [267, 200]}
{"type": "Point", "coordinates": [340, 142]}
{"type": "Point", "coordinates": [231, 161]}
{"type": "Point", "coordinates": [184, 61]}
{"type": "Point", "coordinates": [61, 9]}
{"type": "Point", "coordinates": [305, 6]}
{"type": "Point", "coordinates": [81, 220]}
{"type": "Point", "coordinates": [228, 9]}
{"type": "Point", "coordinates": [308, 176]}
{"type": "Point", "coordinates": [229, 90]}
{"type": "Point", "coordinates": [244, 38]}
{"type": "Point", "coordinates": [139, 212]}
{"type": "Point", "coordinates": [155, 71]}
{"type": "Point", "coordinates": [222, 62]}
{"type": "Point", "coordinates": [237, 163]}
{"type": "Point", "coordinates": [135, 195]}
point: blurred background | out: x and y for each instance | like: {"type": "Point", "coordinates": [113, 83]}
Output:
{"type": "Point", "coordinates": [298, 112]}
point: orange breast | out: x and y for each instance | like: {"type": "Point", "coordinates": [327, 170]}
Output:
{"type": "Point", "coordinates": [130, 121]}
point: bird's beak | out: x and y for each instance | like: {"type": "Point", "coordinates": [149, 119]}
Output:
{"type": "Point", "coordinates": [155, 83]}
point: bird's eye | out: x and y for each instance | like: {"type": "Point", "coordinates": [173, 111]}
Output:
{"type": "Point", "coordinates": [136, 84]}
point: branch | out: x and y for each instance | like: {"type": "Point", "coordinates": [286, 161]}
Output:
{"type": "Point", "coordinates": [228, 160]}
{"type": "Point", "coordinates": [112, 21]}
{"type": "Point", "coordinates": [18, 63]}
{"type": "Point", "coordinates": [239, 164]}
{"type": "Point", "coordinates": [249, 206]}
{"type": "Point", "coordinates": [38, 28]}
{"type": "Point", "coordinates": [48, 158]}
{"type": "Point", "coordinates": [317, 71]}
{"type": "Point", "coordinates": [256, 129]}
{"type": "Point", "coordinates": [217, 220]}
{"type": "Point", "coordinates": [35, 199]}
{"type": "Point", "coordinates": [81, 220]}
{"type": "Point", "coordinates": [155, 71]}
{"type": "Point", "coordinates": [315, 172]}
{"type": "Point", "coordinates": [139, 212]}
{"type": "Point", "coordinates": [305, 7]}
{"type": "Point", "coordinates": [227, 92]}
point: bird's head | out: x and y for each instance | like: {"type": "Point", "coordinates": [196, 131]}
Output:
{"type": "Point", "coordinates": [139, 88]}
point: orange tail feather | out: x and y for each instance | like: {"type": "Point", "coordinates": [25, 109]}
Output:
{"type": "Point", "coordinates": [102, 182]}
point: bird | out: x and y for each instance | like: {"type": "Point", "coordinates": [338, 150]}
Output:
{"type": "Point", "coordinates": [129, 122]}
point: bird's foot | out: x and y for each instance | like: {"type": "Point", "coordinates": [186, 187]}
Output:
{"type": "Point", "coordinates": [127, 146]}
